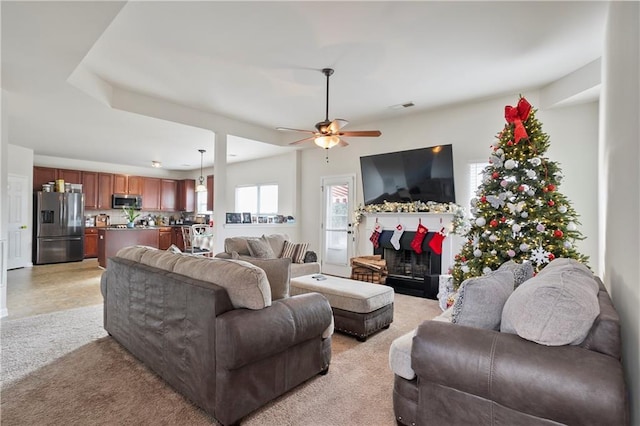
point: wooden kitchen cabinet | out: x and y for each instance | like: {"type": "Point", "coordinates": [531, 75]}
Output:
{"type": "Point", "coordinates": [120, 184]}
{"type": "Point", "coordinates": [176, 237]}
{"type": "Point", "coordinates": [168, 195]}
{"type": "Point", "coordinates": [105, 190]}
{"type": "Point", "coordinates": [164, 237]}
{"type": "Point", "coordinates": [186, 195]}
{"type": "Point", "coordinates": [90, 189]}
{"type": "Point", "coordinates": [210, 193]}
{"type": "Point", "coordinates": [134, 185]}
{"type": "Point", "coordinates": [43, 175]}
{"type": "Point", "coordinates": [70, 176]}
{"type": "Point", "coordinates": [151, 194]}
{"type": "Point", "coordinates": [90, 242]}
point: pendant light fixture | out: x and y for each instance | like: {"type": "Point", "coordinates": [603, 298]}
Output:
{"type": "Point", "coordinates": [201, 187]}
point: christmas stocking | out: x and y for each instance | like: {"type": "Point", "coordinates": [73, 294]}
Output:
{"type": "Point", "coordinates": [375, 236]}
{"type": "Point", "coordinates": [416, 244]}
{"type": "Point", "coordinates": [397, 233]}
{"type": "Point", "coordinates": [436, 242]}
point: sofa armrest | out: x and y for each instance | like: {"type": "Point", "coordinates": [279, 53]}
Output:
{"type": "Point", "coordinates": [244, 336]}
{"type": "Point", "coordinates": [567, 384]}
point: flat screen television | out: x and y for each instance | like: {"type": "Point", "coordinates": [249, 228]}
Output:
{"type": "Point", "coordinates": [423, 174]}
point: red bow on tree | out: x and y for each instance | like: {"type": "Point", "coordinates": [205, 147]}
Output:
{"type": "Point", "coordinates": [517, 115]}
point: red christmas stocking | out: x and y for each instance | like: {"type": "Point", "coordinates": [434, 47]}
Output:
{"type": "Point", "coordinates": [416, 243]}
{"type": "Point", "coordinates": [436, 242]}
{"type": "Point", "coordinates": [375, 236]}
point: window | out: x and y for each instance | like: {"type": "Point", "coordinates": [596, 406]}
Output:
{"type": "Point", "coordinates": [475, 178]}
{"type": "Point", "coordinates": [201, 202]}
{"type": "Point", "coordinates": [257, 199]}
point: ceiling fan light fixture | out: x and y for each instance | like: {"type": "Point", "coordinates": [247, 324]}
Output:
{"type": "Point", "coordinates": [201, 187]}
{"type": "Point", "coordinates": [327, 142]}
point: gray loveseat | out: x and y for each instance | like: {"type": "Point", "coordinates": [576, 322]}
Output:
{"type": "Point", "coordinates": [238, 248]}
{"type": "Point", "coordinates": [211, 329]}
{"type": "Point", "coordinates": [452, 374]}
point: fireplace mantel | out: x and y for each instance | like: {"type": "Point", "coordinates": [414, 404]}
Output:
{"type": "Point", "coordinates": [388, 220]}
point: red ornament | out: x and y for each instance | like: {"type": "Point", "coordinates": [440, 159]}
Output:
{"type": "Point", "coordinates": [483, 199]}
{"type": "Point", "coordinates": [551, 203]}
{"type": "Point", "coordinates": [544, 189]}
{"type": "Point", "coordinates": [551, 187]}
{"type": "Point", "coordinates": [503, 219]}
{"type": "Point", "coordinates": [510, 143]}
{"type": "Point", "coordinates": [493, 223]}
{"type": "Point", "coordinates": [558, 233]}
{"type": "Point", "coordinates": [551, 256]}
{"type": "Point", "coordinates": [521, 188]}
{"type": "Point", "coordinates": [464, 259]}
{"type": "Point", "coordinates": [456, 257]}
{"type": "Point", "coordinates": [495, 175]}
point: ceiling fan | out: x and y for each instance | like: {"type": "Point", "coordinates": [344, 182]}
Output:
{"type": "Point", "coordinates": [328, 133]}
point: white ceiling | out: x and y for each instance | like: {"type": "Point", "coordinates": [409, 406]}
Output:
{"type": "Point", "coordinates": [258, 63]}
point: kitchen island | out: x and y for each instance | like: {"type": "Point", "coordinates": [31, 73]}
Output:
{"type": "Point", "coordinates": [110, 240]}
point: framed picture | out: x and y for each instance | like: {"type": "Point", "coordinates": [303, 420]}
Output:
{"type": "Point", "coordinates": [234, 218]}
{"type": "Point", "coordinates": [246, 217]}
{"type": "Point", "coordinates": [262, 219]}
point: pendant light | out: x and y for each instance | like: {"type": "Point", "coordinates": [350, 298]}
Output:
{"type": "Point", "coordinates": [201, 187]}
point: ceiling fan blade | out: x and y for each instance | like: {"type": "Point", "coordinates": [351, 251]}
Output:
{"type": "Point", "coordinates": [368, 133]}
{"type": "Point", "coordinates": [294, 130]}
{"type": "Point", "coordinates": [342, 143]}
{"type": "Point", "coordinates": [336, 125]}
{"type": "Point", "coordinates": [303, 140]}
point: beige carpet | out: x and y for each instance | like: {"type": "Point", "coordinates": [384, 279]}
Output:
{"type": "Point", "coordinates": [101, 384]}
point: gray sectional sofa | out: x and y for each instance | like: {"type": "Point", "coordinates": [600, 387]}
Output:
{"type": "Point", "coordinates": [223, 333]}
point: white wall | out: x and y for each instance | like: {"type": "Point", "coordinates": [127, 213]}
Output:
{"type": "Point", "coordinates": [471, 129]}
{"type": "Point", "coordinates": [620, 182]}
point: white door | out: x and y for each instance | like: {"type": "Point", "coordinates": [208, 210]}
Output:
{"type": "Point", "coordinates": [338, 239]}
{"type": "Point", "coordinates": [19, 226]}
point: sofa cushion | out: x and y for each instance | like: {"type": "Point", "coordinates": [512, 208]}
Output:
{"type": "Point", "coordinates": [554, 308]}
{"type": "Point", "coordinates": [481, 299]}
{"type": "Point", "coordinates": [295, 252]}
{"type": "Point", "coordinates": [133, 252]}
{"type": "Point", "coordinates": [278, 273]}
{"type": "Point", "coordinates": [260, 249]}
{"type": "Point", "coordinates": [521, 271]}
{"type": "Point", "coordinates": [160, 259]}
{"type": "Point", "coordinates": [238, 244]}
{"type": "Point", "coordinates": [246, 284]}
{"type": "Point", "coordinates": [400, 355]}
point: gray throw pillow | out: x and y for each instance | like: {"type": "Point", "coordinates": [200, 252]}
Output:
{"type": "Point", "coordinates": [278, 273]}
{"type": "Point", "coordinates": [276, 241]}
{"type": "Point", "coordinates": [521, 271]}
{"type": "Point", "coordinates": [260, 249]}
{"type": "Point", "coordinates": [481, 299]}
{"type": "Point", "coordinates": [555, 308]}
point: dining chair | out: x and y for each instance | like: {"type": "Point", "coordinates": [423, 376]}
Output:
{"type": "Point", "coordinates": [197, 240]}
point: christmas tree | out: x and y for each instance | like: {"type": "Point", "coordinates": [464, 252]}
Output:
{"type": "Point", "coordinates": [518, 213]}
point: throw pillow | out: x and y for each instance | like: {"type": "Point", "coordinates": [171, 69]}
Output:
{"type": "Point", "coordinates": [521, 271]}
{"type": "Point", "coordinates": [261, 249]}
{"type": "Point", "coordinates": [481, 299]}
{"type": "Point", "coordinates": [174, 249]}
{"type": "Point", "coordinates": [238, 244]}
{"type": "Point", "coordinates": [295, 252]}
{"type": "Point", "coordinates": [278, 273]}
{"type": "Point", "coordinates": [276, 241]}
{"type": "Point", "coordinates": [555, 308]}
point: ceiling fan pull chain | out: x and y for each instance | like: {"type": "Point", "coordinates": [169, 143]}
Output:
{"type": "Point", "coordinates": [326, 154]}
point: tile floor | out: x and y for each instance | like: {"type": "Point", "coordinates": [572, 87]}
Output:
{"type": "Point", "coordinates": [49, 288]}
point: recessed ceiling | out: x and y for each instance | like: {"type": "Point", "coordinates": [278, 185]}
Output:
{"type": "Point", "coordinates": [258, 63]}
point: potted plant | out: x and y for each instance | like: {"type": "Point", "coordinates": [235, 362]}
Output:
{"type": "Point", "coordinates": [130, 214]}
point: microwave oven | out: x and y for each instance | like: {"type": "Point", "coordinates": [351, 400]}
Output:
{"type": "Point", "coordinates": [119, 201]}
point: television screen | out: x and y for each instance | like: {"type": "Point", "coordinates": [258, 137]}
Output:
{"type": "Point", "coordinates": [424, 174]}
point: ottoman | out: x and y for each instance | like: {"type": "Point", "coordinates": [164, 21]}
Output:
{"type": "Point", "coordinates": [359, 308]}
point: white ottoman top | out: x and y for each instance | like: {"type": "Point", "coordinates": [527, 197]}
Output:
{"type": "Point", "coordinates": [342, 293]}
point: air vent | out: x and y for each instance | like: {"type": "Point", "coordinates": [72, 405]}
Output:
{"type": "Point", "coordinates": [402, 106]}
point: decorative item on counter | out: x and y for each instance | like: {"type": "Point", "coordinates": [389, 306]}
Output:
{"type": "Point", "coordinates": [130, 214]}
{"type": "Point", "coordinates": [59, 185]}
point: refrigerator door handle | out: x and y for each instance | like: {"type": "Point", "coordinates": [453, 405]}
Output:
{"type": "Point", "coordinates": [48, 240]}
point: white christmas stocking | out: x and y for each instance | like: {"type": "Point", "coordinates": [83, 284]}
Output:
{"type": "Point", "coordinates": [397, 233]}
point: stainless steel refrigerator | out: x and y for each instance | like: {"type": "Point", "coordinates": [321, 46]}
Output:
{"type": "Point", "coordinates": [58, 227]}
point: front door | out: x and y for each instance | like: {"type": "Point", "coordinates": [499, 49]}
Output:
{"type": "Point", "coordinates": [338, 239]}
{"type": "Point", "coordinates": [19, 252]}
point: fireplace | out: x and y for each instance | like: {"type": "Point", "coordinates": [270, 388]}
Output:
{"type": "Point", "coordinates": [409, 272]}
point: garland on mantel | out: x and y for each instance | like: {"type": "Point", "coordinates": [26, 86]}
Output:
{"type": "Point", "coordinates": [459, 221]}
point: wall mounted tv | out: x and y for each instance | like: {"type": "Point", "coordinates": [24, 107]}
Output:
{"type": "Point", "coordinates": [424, 174]}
